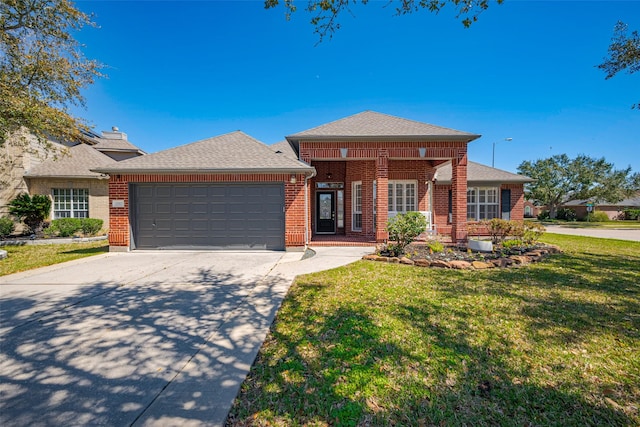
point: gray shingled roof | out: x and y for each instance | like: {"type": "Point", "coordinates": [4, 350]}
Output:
{"type": "Point", "coordinates": [479, 173]}
{"type": "Point", "coordinates": [377, 126]}
{"type": "Point", "coordinates": [232, 152]}
{"type": "Point", "coordinates": [285, 148]}
{"type": "Point", "coordinates": [77, 162]}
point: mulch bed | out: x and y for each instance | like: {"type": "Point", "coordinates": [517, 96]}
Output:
{"type": "Point", "coordinates": [419, 254]}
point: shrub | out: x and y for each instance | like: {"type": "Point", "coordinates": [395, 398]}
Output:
{"type": "Point", "coordinates": [435, 246]}
{"type": "Point", "coordinates": [544, 215]}
{"type": "Point", "coordinates": [566, 214]}
{"type": "Point", "coordinates": [66, 227]}
{"type": "Point", "coordinates": [532, 232]}
{"type": "Point", "coordinates": [632, 214]}
{"type": "Point", "coordinates": [6, 227]}
{"type": "Point", "coordinates": [598, 216]}
{"type": "Point", "coordinates": [403, 229]}
{"type": "Point", "coordinates": [91, 226]}
{"type": "Point", "coordinates": [31, 210]}
{"type": "Point", "coordinates": [512, 243]}
{"type": "Point", "coordinates": [498, 229]}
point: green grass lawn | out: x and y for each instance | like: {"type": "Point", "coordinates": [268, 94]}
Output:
{"type": "Point", "coordinates": [27, 257]}
{"type": "Point", "coordinates": [554, 343]}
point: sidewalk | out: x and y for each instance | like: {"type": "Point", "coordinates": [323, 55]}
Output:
{"type": "Point", "coordinates": [632, 234]}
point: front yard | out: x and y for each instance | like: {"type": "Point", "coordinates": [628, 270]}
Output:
{"type": "Point", "coordinates": [28, 257]}
{"type": "Point", "coordinates": [554, 343]}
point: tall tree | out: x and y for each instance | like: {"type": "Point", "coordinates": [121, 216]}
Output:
{"type": "Point", "coordinates": [326, 12]}
{"type": "Point", "coordinates": [42, 68]}
{"type": "Point", "coordinates": [560, 179]}
{"type": "Point", "coordinates": [624, 53]}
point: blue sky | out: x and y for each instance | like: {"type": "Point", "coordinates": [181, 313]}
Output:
{"type": "Point", "coordinates": [184, 71]}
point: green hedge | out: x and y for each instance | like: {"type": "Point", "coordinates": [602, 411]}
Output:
{"type": "Point", "coordinates": [66, 227]}
{"type": "Point", "coordinates": [6, 227]}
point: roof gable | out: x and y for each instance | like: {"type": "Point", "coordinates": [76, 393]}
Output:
{"type": "Point", "coordinates": [373, 125]}
{"type": "Point", "coordinates": [231, 152]}
{"type": "Point", "coordinates": [76, 162]}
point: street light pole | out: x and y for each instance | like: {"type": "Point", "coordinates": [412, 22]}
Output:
{"type": "Point", "coordinates": [493, 155]}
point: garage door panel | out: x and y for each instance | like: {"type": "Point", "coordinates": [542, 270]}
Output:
{"type": "Point", "coordinates": [215, 215]}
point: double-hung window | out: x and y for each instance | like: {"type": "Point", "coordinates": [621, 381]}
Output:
{"type": "Point", "coordinates": [70, 203]}
{"type": "Point", "coordinates": [482, 203]}
{"type": "Point", "coordinates": [402, 197]}
{"type": "Point", "coordinates": [356, 206]}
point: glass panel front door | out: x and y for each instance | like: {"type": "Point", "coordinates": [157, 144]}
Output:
{"type": "Point", "coordinates": [325, 212]}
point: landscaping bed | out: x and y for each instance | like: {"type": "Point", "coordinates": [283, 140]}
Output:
{"type": "Point", "coordinates": [421, 255]}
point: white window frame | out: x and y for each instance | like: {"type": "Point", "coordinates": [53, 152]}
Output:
{"type": "Point", "coordinates": [483, 203]}
{"type": "Point", "coordinates": [356, 206]}
{"type": "Point", "coordinates": [405, 203]}
{"type": "Point", "coordinates": [70, 202]}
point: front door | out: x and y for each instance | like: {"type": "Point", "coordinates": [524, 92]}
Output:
{"type": "Point", "coordinates": [325, 212]}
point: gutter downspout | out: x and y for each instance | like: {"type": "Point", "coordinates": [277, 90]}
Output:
{"type": "Point", "coordinates": [306, 208]}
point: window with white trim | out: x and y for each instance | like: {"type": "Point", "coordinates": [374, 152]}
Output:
{"type": "Point", "coordinates": [482, 203]}
{"type": "Point", "coordinates": [356, 206]}
{"type": "Point", "coordinates": [70, 203]}
{"type": "Point", "coordinates": [402, 197]}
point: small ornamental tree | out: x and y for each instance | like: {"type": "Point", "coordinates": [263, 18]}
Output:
{"type": "Point", "coordinates": [404, 229]}
{"type": "Point", "coordinates": [31, 210]}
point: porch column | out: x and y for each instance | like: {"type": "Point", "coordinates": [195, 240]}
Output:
{"type": "Point", "coordinates": [459, 198]}
{"type": "Point", "coordinates": [382, 195]}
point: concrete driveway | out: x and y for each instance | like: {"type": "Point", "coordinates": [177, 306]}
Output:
{"type": "Point", "coordinates": [144, 338]}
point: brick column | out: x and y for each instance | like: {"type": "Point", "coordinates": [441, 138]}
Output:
{"type": "Point", "coordinates": [459, 197]}
{"type": "Point", "coordinates": [382, 195]}
{"type": "Point", "coordinates": [119, 238]}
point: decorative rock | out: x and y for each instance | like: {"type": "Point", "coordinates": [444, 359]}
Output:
{"type": "Point", "coordinates": [479, 265]}
{"type": "Point", "coordinates": [422, 263]}
{"type": "Point", "coordinates": [460, 265]}
{"type": "Point", "coordinates": [394, 259]}
{"type": "Point", "coordinates": [520, 259]}
{"type": "Point", "coordinates": [372, 257]}
{"type": "Point", "coordinates": [3, 254]}
{"type": "Point", "coordinates": [407, 261]}
{"type": "Point", "coordinates": [502, 262]}
{"type": "Point", "coordinates": [440, 264]}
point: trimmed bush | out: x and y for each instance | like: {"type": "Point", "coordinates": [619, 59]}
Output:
{"type": "Point", "coordinates": [566, 214]}
{"type": "Point", "coordinates": [91, 226]}
{"type": "Point", "coordinates": [6, 227]}
{"type": "Point", "coordinates": [404, 229]}
{"type": "Point", "coordinates": [66, 227]}
{"type": "Point", "coordinates": [598, 216]}
{"type": "Point", "coordinates": [544, 215]}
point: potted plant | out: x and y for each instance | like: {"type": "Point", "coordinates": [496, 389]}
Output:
{"type": "Point", "coordinates": [475, 244]}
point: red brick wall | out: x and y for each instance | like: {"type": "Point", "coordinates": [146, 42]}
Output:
{"type": "Point", "coordinates": [517, 200]}
{"type": "Point", "coordinates": [119, 234]}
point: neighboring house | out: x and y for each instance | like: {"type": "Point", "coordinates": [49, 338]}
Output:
{"type": "Point", "coordinates": [531, 210]}
{"type": "Point", "coordinates": [343, 180]}
{"type": "Point", "coordinates": [613, 210]}
{"type": "Point", "coordinates": [64, 173]}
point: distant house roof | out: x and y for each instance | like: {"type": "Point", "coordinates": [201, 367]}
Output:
{"type": "Point", "coordinates": [479, 173]}
{"type": "Point", "coordinates": [629, 202]}
{"type": "Point", "coordinates": [75, 162]}
{"type": "Point", "coordinates": [372, 126]}
{"type": "Point", "coordinates": [116, 145]}
{"type": "Point", "coordinates": [233, 152]}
